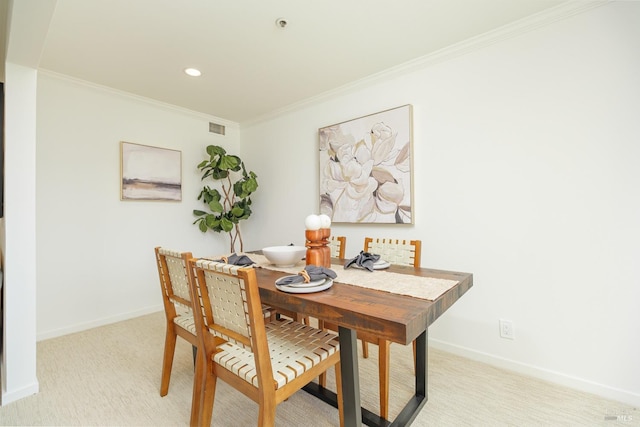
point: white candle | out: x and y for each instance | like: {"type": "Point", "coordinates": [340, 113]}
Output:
{"type": "Point", "coordinates": [312, 222]}
{"type": "Point", "coordinates": [325, 221]}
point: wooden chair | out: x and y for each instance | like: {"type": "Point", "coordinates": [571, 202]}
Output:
{"type": "Point", "coordinates": [176, 297]}
{"type": "Point", "coordinates": [266, 362]}
{"type": "Point", "coordinates": [399, 252]}
{"type": "Point", "coordinates": [338, 245]}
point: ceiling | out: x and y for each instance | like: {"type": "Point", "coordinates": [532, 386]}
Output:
{"type": "Point", "coordinates": [250, 66]}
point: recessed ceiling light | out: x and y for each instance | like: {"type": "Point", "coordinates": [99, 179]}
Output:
{"type": "Point", "coordinates": [192, 72]}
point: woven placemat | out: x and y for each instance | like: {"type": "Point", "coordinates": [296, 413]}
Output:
{"type": "Point", "coordinates": [428, 288]}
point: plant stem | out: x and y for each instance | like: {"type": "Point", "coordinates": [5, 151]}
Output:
{"type": "Point", "coordinates": [229, 200]}
{"type": "Point", "coordinates": [232, 242]}
{"type": "Point", "coordinates": [239, 235]}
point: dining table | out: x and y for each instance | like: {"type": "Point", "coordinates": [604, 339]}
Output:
{"type": "Point", "coordinates": [391, 312]}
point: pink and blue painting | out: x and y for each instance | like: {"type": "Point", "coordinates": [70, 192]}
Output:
{"type": "Point", "coordinates": [150, 173]}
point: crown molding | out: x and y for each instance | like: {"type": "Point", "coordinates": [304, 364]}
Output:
{"type": "Point", "coordinates": [508, 31]}
{"type": "Point", "coordinates": [138, 98]}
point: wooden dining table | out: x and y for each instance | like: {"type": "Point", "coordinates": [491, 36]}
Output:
{"type": "Point", "coordinates": [391, 316]}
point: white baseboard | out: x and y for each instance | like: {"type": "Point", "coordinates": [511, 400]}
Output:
{"type": "Point", "coordinates": [575, 383]}
{"type": "Point", "coordinates": [14, 395]}
{"type": "Point", "coordinates": [79, 327]}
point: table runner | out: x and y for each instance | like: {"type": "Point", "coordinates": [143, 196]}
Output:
{"type": "Point", "coordinates": [429, 288]}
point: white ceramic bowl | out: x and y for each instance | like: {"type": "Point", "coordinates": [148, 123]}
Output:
{"type": "Point", "coordinates": [284, 256]}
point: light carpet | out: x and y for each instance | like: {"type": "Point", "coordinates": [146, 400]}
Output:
{"type": "Point", "coordinates": [110, 376]}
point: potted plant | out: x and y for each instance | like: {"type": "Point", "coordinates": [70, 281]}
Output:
{"type": "Point", "coordinates": [228, 208]}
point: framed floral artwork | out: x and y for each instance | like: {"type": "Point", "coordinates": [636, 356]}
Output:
{"type": "Point", "coordinates": [150, 173]}
{"type": "Point", "coordinates": [366, 168]}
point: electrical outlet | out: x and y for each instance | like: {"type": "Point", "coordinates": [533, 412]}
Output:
{"type": "Point", "coordinates": [506, 329]}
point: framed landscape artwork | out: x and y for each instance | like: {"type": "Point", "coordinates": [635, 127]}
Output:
{"type": "Point", "coordinates": [150, 173]}
{"type": "Point", "coordinates": [366, 171]}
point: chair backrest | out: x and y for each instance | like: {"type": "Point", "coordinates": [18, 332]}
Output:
{"type": "Point", "coordinates": [399, 252]}
{"type": "Point", "coordinates": [227, 308]}
{"type": "Point", "coordinates": [337, 245]}
{"type": "Point", "coordinates": [172, 269]}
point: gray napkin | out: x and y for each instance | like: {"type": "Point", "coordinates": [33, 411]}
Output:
{"type": "Point", "coordinates": [364, 260]}
{"type": "Point", "coordinates": [315, 273]}
{"type": "Point", "coordinates": [234, 259]}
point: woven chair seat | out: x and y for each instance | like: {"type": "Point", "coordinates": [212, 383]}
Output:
{"type": "Point", "coordinates": [294, 348]}
{"type": "Point", "coordinates": [267, 311]}
{"type": "Point", "coordinates": [185, 321]}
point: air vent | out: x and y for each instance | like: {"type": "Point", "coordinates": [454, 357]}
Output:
{"type": "Point", "coordinates": [216, 128]}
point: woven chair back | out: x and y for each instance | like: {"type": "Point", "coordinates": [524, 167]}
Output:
{"type": "Point", "coordinates": [337, 245]}
{"type": "Point", "coordinates": [224, 300]}
{"type": "Point", "coordinates": [395, 251]}
{"type": "Point", "coordinates": [172, 267]}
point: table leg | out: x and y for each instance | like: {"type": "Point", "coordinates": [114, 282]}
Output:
{"type": "Point", "coordinates": [351, 386]}
{"type": "Point", "coordinates": [350, 377]}
{"type": "Point", "coordinates": [194, 350]}
{"type": "Point", "coordinates": [412, 408]}
{"type": "Point", "coordinates": [422, 350]}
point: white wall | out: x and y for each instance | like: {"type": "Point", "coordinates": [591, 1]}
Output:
{"type": "Point", "coordinates": [19, 244]}
{"type": "Point", "coordinates": [26, 28]}
{"type": "Point", "coordinates": [525, 174]}
{"type": "Point", "coordinates": [94, 251]}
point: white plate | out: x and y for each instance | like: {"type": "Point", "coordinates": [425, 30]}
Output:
{"type": "Point", "coordinates": [301, 284]}
{"type": "Point", "coordinates": [378, 265]}
{"type": "Point", "coordinates": [381, 264]}
{"type": "Point", "coordinates": [302, 290]}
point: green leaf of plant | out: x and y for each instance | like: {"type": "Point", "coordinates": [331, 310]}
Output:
{"type": "Point", "coordinates": [250, 185]}
{"type": "Point", "coordinates": [216, 206]}
{"type": "Point", "coordinates": [213, 222]}
{"type": "Point", "coordinates": [237, 211]}
{"type": "Point", "coordinates": [229, 162]}
{"type": "Point", "coordinates": [199, 213]}
{"type": "Point", "coordinates": [226, 225]}
{"type": "Point", "coordinates": [215, 150]}
{"type": "Point", "coordinates": [219, 174]}
{"type": "Point", "coordinates": [238, 190]}
{"type": "Point", "coordinates": [205, 175]}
